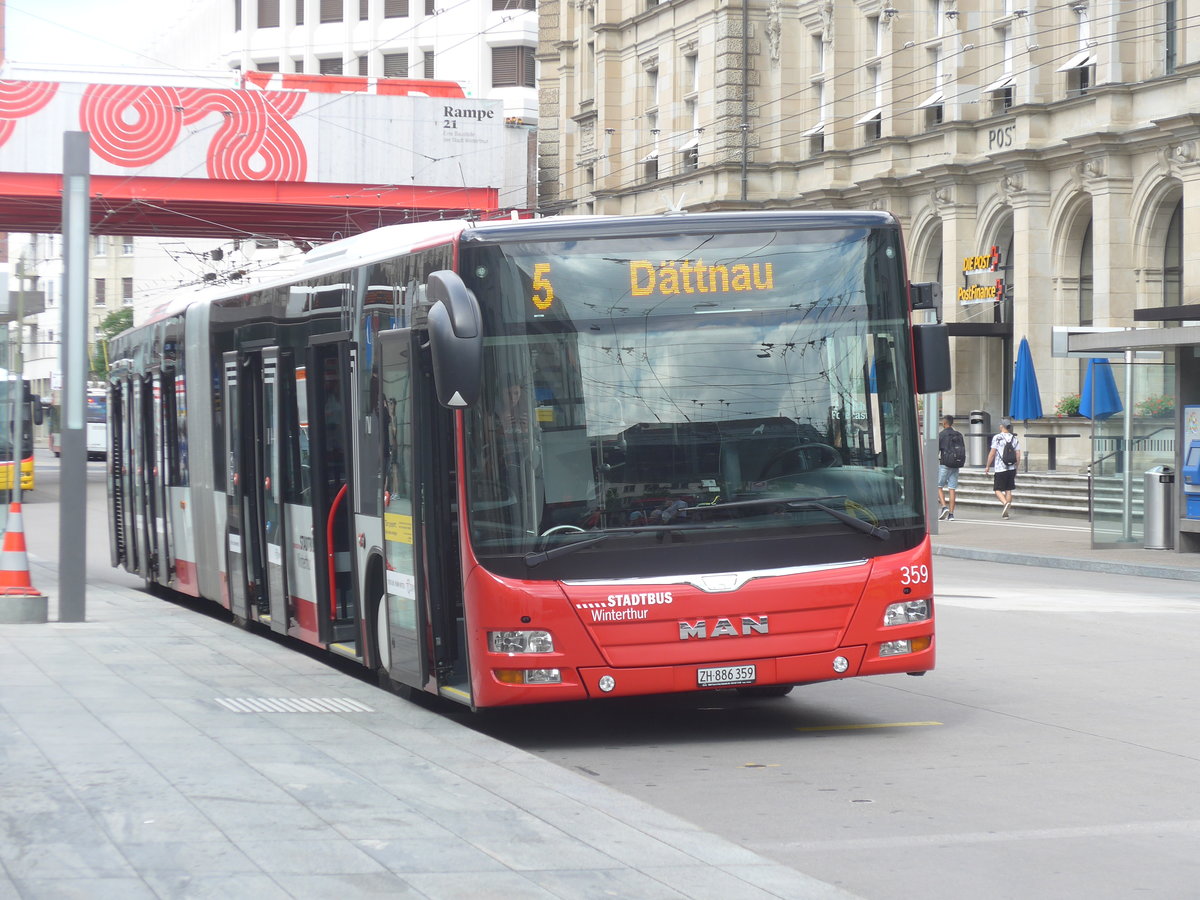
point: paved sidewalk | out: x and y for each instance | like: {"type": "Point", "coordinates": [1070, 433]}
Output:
{"type": "Point", "coordinates": [1030, 539]}
{"type": "Point", "coordinates": [150, 752]}
{"type": "Point", "coordinates": [156, 752]}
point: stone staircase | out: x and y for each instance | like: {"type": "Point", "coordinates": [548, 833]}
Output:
{"type": "Point", "coordinates": [1046, 493]}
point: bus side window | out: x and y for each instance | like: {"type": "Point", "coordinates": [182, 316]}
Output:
{"type": "Point", "coordinates": [298, 483]}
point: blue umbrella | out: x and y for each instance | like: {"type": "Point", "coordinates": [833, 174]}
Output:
{"type": "Point", "coordinates": [1099, 398]}
{"type": "Point", "coordinates": [1026, 402]}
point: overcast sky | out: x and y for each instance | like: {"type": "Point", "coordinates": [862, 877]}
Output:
{"type": "Point", "coordinates": [86, 32]}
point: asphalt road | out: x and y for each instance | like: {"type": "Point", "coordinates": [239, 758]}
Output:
{"type": "Point", "coordinates": [41, 510]}
{"type": "Point", "coordinates": [1055, 751]}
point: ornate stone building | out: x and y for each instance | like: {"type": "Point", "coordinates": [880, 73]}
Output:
{"type": "Point", "coordinates": [1060, 134]}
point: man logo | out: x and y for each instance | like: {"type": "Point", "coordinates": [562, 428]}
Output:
{"type": "Point", "coordinates": [723, 628]}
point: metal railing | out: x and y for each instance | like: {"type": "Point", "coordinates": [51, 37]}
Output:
{"type": "Point", "coordinates": [1143, 442]}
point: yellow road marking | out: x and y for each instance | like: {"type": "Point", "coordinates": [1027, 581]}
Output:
{"type": "Point", "coordinates": [862, 727]}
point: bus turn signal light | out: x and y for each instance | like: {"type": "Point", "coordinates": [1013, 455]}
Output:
{"type": "Point", "coordinates": [528, 676]}
{"type": "Point", "coordinates": [900, 648]}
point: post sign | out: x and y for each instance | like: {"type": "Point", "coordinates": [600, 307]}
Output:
{"type": "Point", "coordinates": [982, 281]}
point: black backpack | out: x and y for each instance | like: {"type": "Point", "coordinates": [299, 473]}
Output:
{"type": "Point", "coordinates": [1008, 453]}
{"type": "Point", "coordinates": [955, 454]}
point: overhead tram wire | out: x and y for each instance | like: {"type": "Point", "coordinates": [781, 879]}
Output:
{"type": "Point", "coordinates": [784, 140]}
{"type": "Point", "coordinates": [624, 169]}
{"type": "Point", "coordinates": [961, 35]}
{"type": "Point", "coordinates": [1071, 42]}
{"type": "Point", "coordinates": [322, 101]}
{"type": "Point", "coordinates": [11, 7]}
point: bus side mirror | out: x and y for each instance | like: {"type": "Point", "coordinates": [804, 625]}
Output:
{"type": "Point", "coordinates": [455, 340]}
{"type": "Point", "coordinates": [931, 354]}
{"type": "Point", "coordinates": [926, 295]}
{"type": "Point", "coordinates": [39, 414]}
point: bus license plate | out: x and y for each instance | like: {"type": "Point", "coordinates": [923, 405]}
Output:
{"type": "Point", "coordinates": [725, 675]}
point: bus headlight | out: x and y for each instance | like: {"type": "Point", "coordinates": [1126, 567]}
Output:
{"type": "Point", "coordinates": [520, 642]}
{"type": "Point", "coordinates": [905, 612]}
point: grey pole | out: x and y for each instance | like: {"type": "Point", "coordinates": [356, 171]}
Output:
{"type": "Point", "coordinates": [929, 430]}
{"type": "Point", "coordinates": [19, 387]}
{"type": "Point", "coordinates": [72, 503]}
{"type": "Point", "coordinates": [1127, 442]}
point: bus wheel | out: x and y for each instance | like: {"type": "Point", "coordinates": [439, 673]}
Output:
{"type": "Point", "coordinates": [381, 651]}
{"type": "Point", "coordinates": [766, 690]}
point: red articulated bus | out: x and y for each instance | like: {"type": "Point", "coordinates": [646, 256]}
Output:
{"type": "Point", "coordinates": [548, 460]}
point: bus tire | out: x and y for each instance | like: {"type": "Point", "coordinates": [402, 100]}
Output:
{"type": "Point", "coordinates": [378, 652]}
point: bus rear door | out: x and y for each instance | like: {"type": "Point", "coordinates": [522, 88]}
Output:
{"type": "Point", "coordinates": [157, 476]}
{"type": "Point", "coordinates": [141, 422]}
{"type": "Point", "coordinates": [329, 379]}
{"type": "Point", "coordinates": [271, 528]}
{"type": "Point", "coordinates": [239, 568]}
{"type": "Point", "coordinates": [118, 498]}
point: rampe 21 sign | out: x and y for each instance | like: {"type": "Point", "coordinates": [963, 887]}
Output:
{"type": "Point", "coordinates": [359, 135]}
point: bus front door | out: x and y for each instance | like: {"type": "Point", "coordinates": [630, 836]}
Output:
{"type": "Point", "coordinates": [401, 619]}
{"type": "Point", "coordinates": [422, 605]}
{"type": "Point", "coordinates": [329, 378]}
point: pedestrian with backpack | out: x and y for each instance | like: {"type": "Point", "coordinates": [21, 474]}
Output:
{"type": "Point", "coordinates": [1004, 456]}
{"type": "Point", "coordinates": [952, 455]}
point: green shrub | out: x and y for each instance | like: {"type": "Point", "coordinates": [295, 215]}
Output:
{"type": "Point", "coordinates": [1158, 406]}
{"type": "Point", "coordinates": [1068, 406]}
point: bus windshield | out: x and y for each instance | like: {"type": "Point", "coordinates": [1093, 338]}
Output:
{"type": "Point", "coordinates": [723, 391]}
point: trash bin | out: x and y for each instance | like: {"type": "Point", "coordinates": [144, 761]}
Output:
{"type": "Point", "coordinates": [1158, 508]}
{"type": "Point", "coordinates": [979, 435]}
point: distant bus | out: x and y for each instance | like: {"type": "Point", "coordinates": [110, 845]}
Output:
{"type": "Point", "coordinates": [12, 392]}
{"type": "Point", "coordinates": [97, 423]}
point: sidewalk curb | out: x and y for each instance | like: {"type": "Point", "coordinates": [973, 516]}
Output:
{"type": "Point", "coordinates": [1060, 562]}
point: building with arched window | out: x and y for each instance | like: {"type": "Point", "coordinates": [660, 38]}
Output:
{"type": "Point", "coordinates": [1042, 156]}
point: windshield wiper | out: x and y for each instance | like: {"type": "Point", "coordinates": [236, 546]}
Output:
{"type": "Point", "coordinates": [536, 559]}
{"type": "Point", "coordinates": [881, 532]}
{"type": "Point", "coordinates": [876, 531]}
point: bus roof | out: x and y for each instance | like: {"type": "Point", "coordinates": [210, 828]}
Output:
{"type": "Point", "coordinates": [559, 228]}
{"type": "Point", "coordinates": [348, 253]}
{"type": "Point", "coordinates": [392, 240]}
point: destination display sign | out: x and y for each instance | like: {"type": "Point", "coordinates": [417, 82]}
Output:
{"type": "Point", "coordinates": [671, 278]}
{"type": "Point", "coordinates": [827, 274]}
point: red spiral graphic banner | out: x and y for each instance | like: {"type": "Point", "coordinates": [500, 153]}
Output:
{"type": "Point", "coordinates": [19, 99]}
{"type": "Point", "coordinates": [255, 141]}
{"type": "Point", "coordinates": [135, 125]}
{"type": "Point", "coordinates": [131, 125]}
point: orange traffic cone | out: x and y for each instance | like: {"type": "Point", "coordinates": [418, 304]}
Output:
{"type": "Point", "coordinates": [14, 561]}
